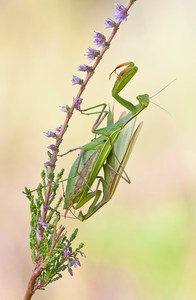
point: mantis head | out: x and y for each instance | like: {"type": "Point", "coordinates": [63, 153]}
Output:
{"type": "Point", "coordinates": [144, 100]}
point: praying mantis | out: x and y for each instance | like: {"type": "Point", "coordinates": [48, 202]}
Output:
{"type": "Point", "coordinates": [114, 167]}
{"type": "Point", "coordinates": [110, 151]}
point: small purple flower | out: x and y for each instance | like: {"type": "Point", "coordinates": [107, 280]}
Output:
{"type": "Point", "coordinates": [46, 207]}
{"type": "Point", "coordinates": [77, 262]}
{"type": "Point", "coordinates": [92, 53]}
{"type": "Point", "coordinates": [78, 102]}
{"type": "Point", "coordinates": [110, 23]}
{"type": "Point", "coordinates": [65, 108]}
{"type": "Point", "coordinates": [48, 164]}
{"type": "Point", "coordinates": [43, 224]}
{"type": "Point", "coordinates": [77, 80]}
{"type": "Point", "coordinates": [85, 68]}
{"type": "Point", "coordinates": [52, 147]}
{"type": "Point", "coordinates": [100, 39]}
{"type": "Point", "coordinates": [58, 129]}
{"type": "Point", "coordinates": [70, 263]}
{"type": "Point", "coordinates": [67, 253]}
{"type": "Point", "coordinates": [38, 234]}
{"type": "Point", "coordinates": [121, 12]}
{"type": "Point", "coordinates": [50, 134]}
{"type": "Point", "coordinates": [74, 263]}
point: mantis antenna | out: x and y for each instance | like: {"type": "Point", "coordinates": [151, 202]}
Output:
{"type": "Point", "coordinates": [163, 88]}
{"type": "Point", "coordinates": [159, 93]}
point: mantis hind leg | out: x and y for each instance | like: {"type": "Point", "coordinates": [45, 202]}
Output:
{"type": "Point", "coordinates": [91, 209]}
{"type": "Point", "coordinates": [94, 206]}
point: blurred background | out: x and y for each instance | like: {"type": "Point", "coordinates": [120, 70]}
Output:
{"type": "Point", "coordinates": [141, 245]}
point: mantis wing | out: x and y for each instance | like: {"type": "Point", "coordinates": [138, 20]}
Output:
{"type": "Point", "coordinates": [118, 158]}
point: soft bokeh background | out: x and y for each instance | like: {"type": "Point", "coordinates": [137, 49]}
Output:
{"type": "Point", "coordinates": [142, 245]}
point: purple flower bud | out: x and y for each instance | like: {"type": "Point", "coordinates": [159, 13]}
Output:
{"type": "Point", "coordinates": [50, 134]}
{"type": "Point", "coordinates": [42, 224]}
{"type": "Point", "coordinates": [77, 80]}
{"type": "Point", "coordinates": [78, 262]}
{"type": "Point", "coordinates": [67, 253]}
{"type": "Point", "coordinates": [100, 39]}
{"type": "Point", "coordinates": [65, 108]}
{"type": "Point", "coordinates": [52, 147]}
{"type": "Point", "coordinates": [78, 102]}
{"type": "Point", "coordinates": [70, 263]}
{"type": "Point", "coordinates": [46, 207]}
{"type": "Point", "coordinates": [85, 68]}
{"type": "Point", "coordinates": [92, 53]}
{"type": "Point", "coordinates": [110, 23]}
{"type": "Point", "coordinates": [121, 12]}
{"type": "Point", "coordinates": [48, 164]}
{"type": "Point", "coordinates": [58, 129]}
{"type": "Point", "coordinates": [38, 234]}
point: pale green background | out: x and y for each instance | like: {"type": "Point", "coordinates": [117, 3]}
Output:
{"type": "Point", "coordinates": [142, 245]}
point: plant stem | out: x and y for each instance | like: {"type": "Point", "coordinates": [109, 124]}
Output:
{"type": "Point", "coordinates": [39, 267]}
{"type": "Point", "coordinates": [32, 282]}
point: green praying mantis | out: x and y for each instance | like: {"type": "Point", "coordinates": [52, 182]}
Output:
{"type": "Point", "coordinates": [113, 167]}
{"type": "Point", "coordinates": [110, 151]}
